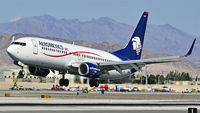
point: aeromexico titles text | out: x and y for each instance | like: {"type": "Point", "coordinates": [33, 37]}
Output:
{"type": "Point", "coordinates": [49, 44]}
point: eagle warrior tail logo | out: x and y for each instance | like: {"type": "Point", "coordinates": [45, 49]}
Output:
{"type": "Point", "coordinates": [137, 46]}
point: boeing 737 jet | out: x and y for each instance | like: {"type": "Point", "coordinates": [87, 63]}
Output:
{"type": "Point", "coordinates": [44, 55]}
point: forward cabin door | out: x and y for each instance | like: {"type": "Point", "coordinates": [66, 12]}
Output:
{"type": "Point", "coordinates": [35, 47]}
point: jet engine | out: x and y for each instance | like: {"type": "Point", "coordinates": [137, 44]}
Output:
{"type": "Point", "coordinates": [89, 70]}
{"type": "Point", "coordinates": [38, 71]}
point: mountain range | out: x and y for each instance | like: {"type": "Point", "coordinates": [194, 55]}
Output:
{"type": "Point", "coordinates": [159, 38]}
{"type": "Point", "coordinates": [105, 34]}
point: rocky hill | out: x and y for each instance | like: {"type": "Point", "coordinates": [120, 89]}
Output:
{"type": "Point", "coordinates": [159, 38]}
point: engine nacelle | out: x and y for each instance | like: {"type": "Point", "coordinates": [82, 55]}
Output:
{"type": "Point", "coordinates": [38, 71]}
{"type": "Point", "coordinates": [89, 70]}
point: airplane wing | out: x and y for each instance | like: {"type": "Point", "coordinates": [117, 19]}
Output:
{"type": "Point", "coordinates": [137, 64]}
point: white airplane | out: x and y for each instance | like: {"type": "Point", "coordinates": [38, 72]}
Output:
{"type": "Point", "coordinates": [42, 55]}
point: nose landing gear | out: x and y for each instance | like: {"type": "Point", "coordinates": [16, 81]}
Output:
{"type": "Point", "coordinates": [21, 72]}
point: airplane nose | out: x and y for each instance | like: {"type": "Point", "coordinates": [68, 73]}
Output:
{"type": "Point", "coordinates": [10, 51]}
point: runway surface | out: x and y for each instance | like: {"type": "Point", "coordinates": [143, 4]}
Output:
{"type": "Point", "coordinates": [106, 95]}
{"type": "Point", "coordinates": [94, 109]}
{"type": "Point", "coordinates": [112, 102]}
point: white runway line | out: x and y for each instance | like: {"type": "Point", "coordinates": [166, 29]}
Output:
{"type": "Point", "coordinates": [88, 108]}
{"type": "Point", "coordinates": [95, 101]}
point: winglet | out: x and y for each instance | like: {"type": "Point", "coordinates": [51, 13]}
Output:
{"type": "Point", "coordinates": [190, 50]}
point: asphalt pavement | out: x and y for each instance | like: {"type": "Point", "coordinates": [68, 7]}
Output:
{"type": "Point", "coordinates": [94, 109]}
{"type": "Point", "coordinates": [95, 102]}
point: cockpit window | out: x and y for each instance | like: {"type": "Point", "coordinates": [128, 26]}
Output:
{"type": "Point", "coordinates": [19, 43]}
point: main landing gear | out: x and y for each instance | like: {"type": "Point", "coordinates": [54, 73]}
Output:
{"type": "Point", "coordinates": [63, 81]}
{"type": "Point", "coordinates": [94, 82]}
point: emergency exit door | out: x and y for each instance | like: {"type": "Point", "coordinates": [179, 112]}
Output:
{"type": "Point", "coordinates": [35, 47]}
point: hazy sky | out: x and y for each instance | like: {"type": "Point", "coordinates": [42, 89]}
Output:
{"type": "Point", "coordinates": [182, 14]}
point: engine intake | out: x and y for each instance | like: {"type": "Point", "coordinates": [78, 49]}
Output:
{"type": "Point", "coordinates": [89, 70]}
{"type": "Point", "coordinates": [38, 71]}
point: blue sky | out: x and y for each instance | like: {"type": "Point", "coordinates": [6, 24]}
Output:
{"type": "Point", "coordinates": [182, 14]}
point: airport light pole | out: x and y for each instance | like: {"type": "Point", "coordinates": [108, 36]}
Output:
{"type": "Point", "coordinates": [146, 74]}
{"type": "Point", "coordinates": [159, 79]}
{"type": "Point", "coordinates": [198, 71]}
{"type": "Point", "coordinates": [197, 78]}
{"type": "Point", "coordinates": [141, 76]}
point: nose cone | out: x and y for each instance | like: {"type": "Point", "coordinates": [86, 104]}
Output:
{"type": "Point", "coordinates": [10, 51]}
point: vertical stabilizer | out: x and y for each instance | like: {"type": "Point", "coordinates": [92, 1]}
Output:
{"type": "Point", "coordinates": [133, 49]}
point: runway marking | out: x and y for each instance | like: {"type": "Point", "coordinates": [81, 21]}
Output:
{"type": "Point", "coordinates": [89, 108]}
{"type": "Point", "coordinates": [117, 102]}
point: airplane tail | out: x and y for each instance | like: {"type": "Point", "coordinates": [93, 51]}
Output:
{"type": "Point", "coordinates": [133, 50]}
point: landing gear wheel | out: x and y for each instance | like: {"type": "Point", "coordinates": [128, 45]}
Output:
{"type": "Point", "coordinates": [96, 83]}
{"type": "Point", "coordinates": [21, 74]}
{"type": "Point", "coordinates": [66, 82]}
{"type": "Point", "coordinates": [61, 82]}
{"type": "Point", "coordinates": [91, 83]}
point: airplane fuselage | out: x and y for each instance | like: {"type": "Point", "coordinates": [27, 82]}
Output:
{"type": "Point", "coordinates": [54, 55]}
